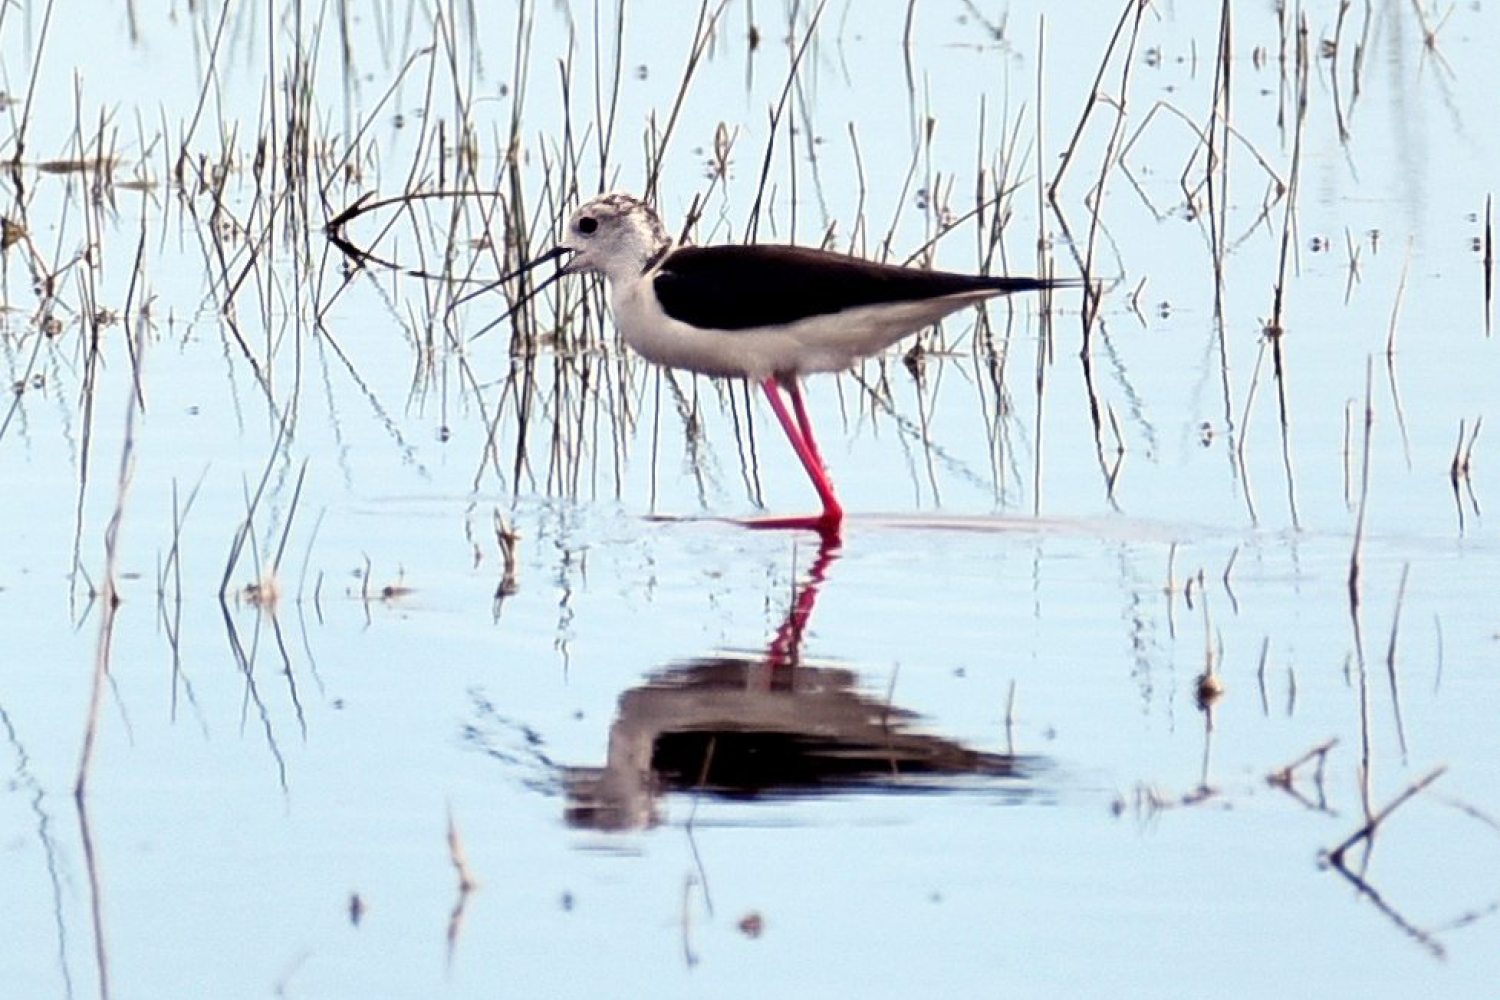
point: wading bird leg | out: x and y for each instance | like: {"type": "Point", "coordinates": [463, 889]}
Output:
{"type": "Point", "coordinates": [807, 453]}
{"type": "Point", "coordinates": [794, 389]}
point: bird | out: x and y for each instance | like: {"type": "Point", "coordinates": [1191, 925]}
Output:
{"type": "Point", "coordinates": [768, 313]}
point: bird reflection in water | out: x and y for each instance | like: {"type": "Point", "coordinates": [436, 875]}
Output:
{"type": "Point", "coordinates": [768, 726]}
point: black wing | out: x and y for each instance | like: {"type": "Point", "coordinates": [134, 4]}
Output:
{"type": "Point", "coordinates": [738, 287]}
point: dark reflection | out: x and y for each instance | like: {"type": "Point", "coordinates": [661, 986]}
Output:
{"type": "Point", "coordinates": [767, 725]}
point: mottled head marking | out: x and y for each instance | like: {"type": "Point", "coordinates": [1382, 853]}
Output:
{"type": "Point", "coordinates": [615, 234]}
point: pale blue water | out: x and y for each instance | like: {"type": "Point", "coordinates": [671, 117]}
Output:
{"type": "Point", "coordinates": [239, 800]}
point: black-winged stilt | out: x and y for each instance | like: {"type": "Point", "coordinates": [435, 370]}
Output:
{"type": "Point", "coordinates": [767, 313]}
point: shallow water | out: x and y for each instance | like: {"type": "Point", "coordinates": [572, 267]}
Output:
{"type": "Point", "coordinates": [962, 751]}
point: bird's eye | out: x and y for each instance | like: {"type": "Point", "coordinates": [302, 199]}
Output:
{"type": "Point", "coordinates": [587, 224]}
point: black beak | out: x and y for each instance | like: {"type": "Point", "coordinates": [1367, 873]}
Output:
{"type": "Point", "coordinates": [535, 262]}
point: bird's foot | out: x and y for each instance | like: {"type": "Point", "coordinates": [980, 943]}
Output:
{"type": "Point", "coordinates": [827, 524]}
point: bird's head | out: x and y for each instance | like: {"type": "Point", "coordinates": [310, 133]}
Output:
{"type": "Point", "coordinates": [613, 234]}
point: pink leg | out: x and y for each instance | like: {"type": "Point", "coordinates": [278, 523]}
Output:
{"type": "Point", "coordinates": [803, 424]}
{"type": "Point", "coordinates": [807, 453]}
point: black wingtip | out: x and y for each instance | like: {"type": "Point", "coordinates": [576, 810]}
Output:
{"type": "Point", "coordinates": [1009, 285]}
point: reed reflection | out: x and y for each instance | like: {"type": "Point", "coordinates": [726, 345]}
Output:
{"type": "Point", "coordinates": [770, 725]}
